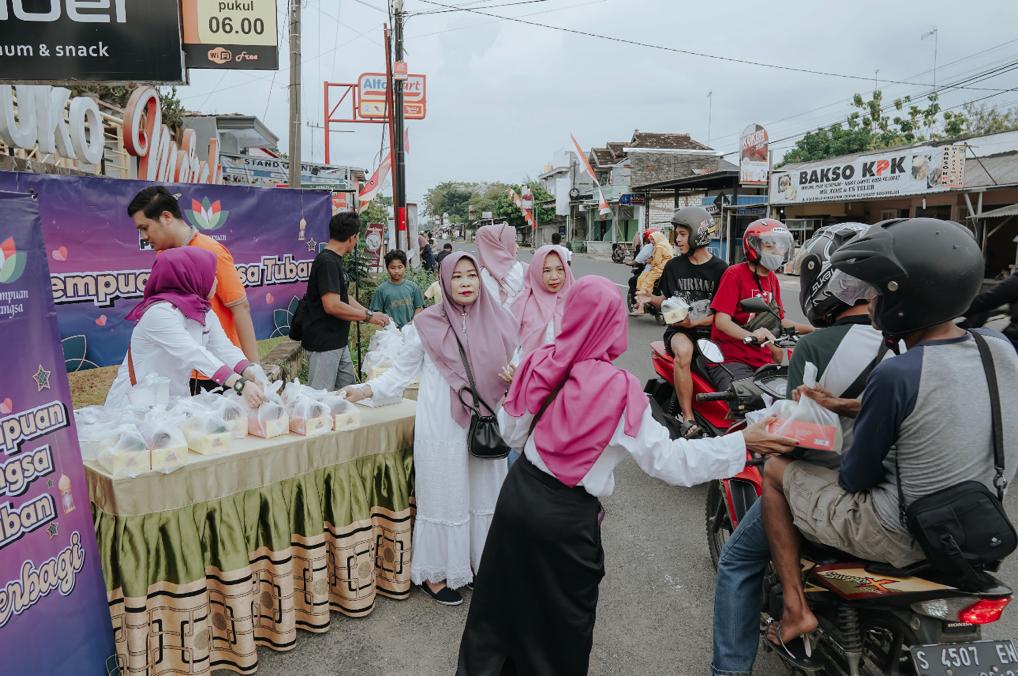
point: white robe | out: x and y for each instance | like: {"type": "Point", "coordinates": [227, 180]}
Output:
{"type": "Point", "coordinates": [679, 462]}
{"type": "Point", "coordinates": [513, 284]}
{"type": "Point", "coordinates": [455, 491]}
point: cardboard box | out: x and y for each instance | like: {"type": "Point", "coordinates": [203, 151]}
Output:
{"type": "Point", "coordinates": [168, 459]}
{"type": "Point", "coordinates": [348, 421]}
{"type": "Point", "coordinates": [310, 427]}
{"type": "Point", "coordinates": [210, 444]}
{"type": "Point", "coordinates": [271, 429]}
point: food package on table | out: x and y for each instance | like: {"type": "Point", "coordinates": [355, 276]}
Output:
{"type": "Point", "coordinates": [268, 420]}
{"type": "Point", "coordinates": [674, 310]}
{"type": "Point", "coordinates": [151, 391]}
{"type": "Point", "coordinates": [308, 417]}
{"type": "Point", "coordinates": [345, 415]}
{"type": "Point", "coordinates": [166, 442]}
{"type": "Point", "coordinates": [206, 433]}
{"type": "Point", "coordinates": [383, 349]}
{"type": "Point", "coordinates": [806, 421]}
{"type": "Point", "coordinates": [127, 455]}
{"type": "Point", "coordinates": [232, 408]}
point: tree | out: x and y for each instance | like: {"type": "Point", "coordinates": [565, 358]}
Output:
{"type": "Point", "coordinates": [376, 211]}
{"type": "Point", "coordinates": [973, 120]}
{"type": "Point", "coordinates": [506, 209]}
{"type": "Point", "coordinates": [172, 108]}
{"type": "Point", "coordinates": [450, 197]}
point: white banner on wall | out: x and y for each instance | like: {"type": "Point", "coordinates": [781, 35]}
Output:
{"type": "Point", "coordinates": [910, 171]}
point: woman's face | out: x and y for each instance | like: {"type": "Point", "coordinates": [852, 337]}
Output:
{"type": "Point", "coordinates": [465, 282]}
{"type": "Point", "coordinates": [554, 273]}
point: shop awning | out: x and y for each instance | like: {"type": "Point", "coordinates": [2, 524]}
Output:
{"type": "Point", "coordinates": [1002, 212]}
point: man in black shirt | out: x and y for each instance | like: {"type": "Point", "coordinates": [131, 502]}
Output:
{"type": "Point", "coordinates": [693, 276]}
{"type": "Point", "coordinates": [326, 326]}
{"type": "Point", "coordinates": [446, 250]}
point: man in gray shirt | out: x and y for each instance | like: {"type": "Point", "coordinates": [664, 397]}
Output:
{"type": "Point", "coordinates": [926, 412]}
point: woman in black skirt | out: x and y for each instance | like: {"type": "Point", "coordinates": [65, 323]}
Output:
{"type": "Point", "coordinates": [576, 416]}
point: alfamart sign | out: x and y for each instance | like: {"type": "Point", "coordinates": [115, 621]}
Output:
{"type": "Point", "coordinates": [911, 171]}
{"type": "Point", "coordinates": [48, 117]}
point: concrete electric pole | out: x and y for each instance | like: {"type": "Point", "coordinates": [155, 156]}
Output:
{"type": "Point", "coordinates": [295, 127]}
{"type": "Point", "coordinates": [399, 156]}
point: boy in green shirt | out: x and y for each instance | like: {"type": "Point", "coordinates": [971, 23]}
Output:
{"type": "Point", "coordinates": [397, 297]}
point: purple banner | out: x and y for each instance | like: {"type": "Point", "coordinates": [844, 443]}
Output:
{"type": "Point", "coordinates": [99, 268]}
{"type": "Point", "coordinates": [54, 617]}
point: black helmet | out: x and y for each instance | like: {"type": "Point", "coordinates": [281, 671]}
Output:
{"type": "Point", "coordinates": [820, 306]}
{"type": "Point", "coordinates": [926, 271]}
{"type": "Point", "coordinates": [698, 222]}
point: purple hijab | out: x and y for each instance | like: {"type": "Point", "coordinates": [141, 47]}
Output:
{"type": "Point", "coordinates": [489, 341]}
{"type": "Point", "coordinates": [182, 277]}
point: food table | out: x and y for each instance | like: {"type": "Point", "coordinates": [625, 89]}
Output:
{"type": "Point", "coordinates": [239, 550]}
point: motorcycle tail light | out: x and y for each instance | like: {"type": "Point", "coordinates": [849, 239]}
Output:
{"type": "Point", "coordinates": [984, 611]}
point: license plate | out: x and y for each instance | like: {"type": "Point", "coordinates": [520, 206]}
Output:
{"type": "Point", "coordinates": [979, 658]}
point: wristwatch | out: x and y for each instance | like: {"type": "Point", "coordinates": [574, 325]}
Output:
{"type": "Point", "coordinates": [368, 314]}
{"type": "Point", "coordinates": [238, 386]}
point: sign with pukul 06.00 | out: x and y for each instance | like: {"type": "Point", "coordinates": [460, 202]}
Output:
{"type": "Point", "coordinates": [236, 34]}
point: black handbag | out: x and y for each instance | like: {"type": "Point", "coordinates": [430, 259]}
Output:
{"type": "Point", "coordinates": [964, 528]}
{"type": "Point", "coordinates": [297, 320]}
{"type": "Point", "coordinates": [483, 437]}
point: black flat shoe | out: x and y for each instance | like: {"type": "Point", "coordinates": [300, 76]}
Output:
{"type": "Point", "coordinates": [445, 595]}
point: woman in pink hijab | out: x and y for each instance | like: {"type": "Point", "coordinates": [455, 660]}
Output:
{"type": "Point", "coordinates": [538, 309]}
{"type": "Point", "coordinates": [534, 606]}
{"type": "Point", "coordinates": [501, 273]}
{"type": "Point", "coordinates": [455, 491]}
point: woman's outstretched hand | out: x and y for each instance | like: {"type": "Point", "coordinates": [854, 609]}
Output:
{"type": "Point", "coordinates": [759, 440]}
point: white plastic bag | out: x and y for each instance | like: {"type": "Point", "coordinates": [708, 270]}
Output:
{"type": "Point", "coordinates": [674, 310]}
{"type": "Point", "coordinates": [166, 443]}
{"type": "Point", "coordinates": [308, 417]}
{"type": "Point", "coordinates": [151, 391]}
{"type": "Point", "coordinates": [806, 421]}
{"type": "Point", "coordinates": [231, 408]}
{"type": "Point", "coordinates": [383, 349]}
{"type": "Point", "coordinates": [127, 455]}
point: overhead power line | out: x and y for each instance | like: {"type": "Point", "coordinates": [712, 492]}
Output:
{"type": "Point", "coordinates": [676, 50]}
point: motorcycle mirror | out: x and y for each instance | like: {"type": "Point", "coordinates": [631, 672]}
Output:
{"type": "Point", "coordinates": [710, 351]}
{"type": "Point", "coordinates": [754, 305]}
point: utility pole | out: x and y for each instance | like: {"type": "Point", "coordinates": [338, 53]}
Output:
{"type": "Point", "coordinates": [399, 154]}
{"type": "Point", "coordinates": [295, 127]}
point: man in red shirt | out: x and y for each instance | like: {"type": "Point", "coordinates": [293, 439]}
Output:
{"type": "Point", "coordinates": [768, 245]}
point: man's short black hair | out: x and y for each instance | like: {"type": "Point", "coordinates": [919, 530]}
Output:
{"type": "Point", "coordinates": [556, 238]}
{"type": "Point", "coordinates": [344, 225]}
{"type": "Point", "coordinates": [394, 255]}
{"type": "Point", "coordinates": [153, 201]}
{"type": "Point", "coordinates": [447, 246]}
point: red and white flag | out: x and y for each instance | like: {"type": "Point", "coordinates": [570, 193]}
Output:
{"type": "Point", "coordinates": [528, 216]}
{"type": "Point", "coordinates": [602, 206]}
{"type": "Point", "coordinates": [371, 188]}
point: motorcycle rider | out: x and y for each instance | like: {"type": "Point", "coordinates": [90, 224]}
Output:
{"type": "Point", "coordinates": [1003, 293]}
{"type": "Point", "coordinates": [640, 262]}
{"type": "Point", "coordinates": [768, 245]}
{"type": "Point", "coordinates": [844, 348]}
{"type": "Point", "coordinates": [926, 411]}
{"type": "Point", "coordinates": [693, 275]}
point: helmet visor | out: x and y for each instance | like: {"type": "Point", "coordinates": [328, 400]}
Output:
{"type": "Point", "coordinates": [775, 248]}
{"type": "Point", "coordinates": [850, 290]}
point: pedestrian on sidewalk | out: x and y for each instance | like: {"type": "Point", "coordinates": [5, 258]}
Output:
{"type": "Point", "coordinates": [576, 416]}
{"type": "Point", "coordinates": [455, 491]}
{"type": "Point", "coordinates": [501, 273]}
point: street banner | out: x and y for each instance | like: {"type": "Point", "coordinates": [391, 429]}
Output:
{"type": "Point", "coordinates": [896, 173]}
{"type": "Point", "coordinates": [54, 617]}
{"type": "Point", "coordinates": [602, 204]}
{"type": "Point", "coordinates": [112, 41]}
{"type": "Point", "coordinates": [528, 216]}
{"type": "Point", "coordinates": [230, 35]}
{"type": "Point", "coordinates": [377, 180]}
{"type": "Point", "coordinates": [270, 172]}
{"type": "Point", "coordinates": [754, 162]}
{"type": "Point", "coordinates": [99, 267]}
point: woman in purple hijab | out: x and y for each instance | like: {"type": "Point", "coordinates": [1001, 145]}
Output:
{"type": "Point", "coordinates": [455, 491]}
{"type": "Point", "coordinates": [177, 332]}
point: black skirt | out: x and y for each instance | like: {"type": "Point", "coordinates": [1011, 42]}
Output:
{"type": "Point", "coordinates": [535, 596]}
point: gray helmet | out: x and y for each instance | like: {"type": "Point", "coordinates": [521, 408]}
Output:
{"type": "Point", "coordinates": [820, 306]}
{"type": "Point", "coordinates": [926, 271]}
{"type": "Point", "coordinates": [698, 222]}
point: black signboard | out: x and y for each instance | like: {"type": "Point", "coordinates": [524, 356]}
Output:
{"type": "Point", "coordinates": [236, 35]}
{"type": "Point", "coordinates": [100, 40]}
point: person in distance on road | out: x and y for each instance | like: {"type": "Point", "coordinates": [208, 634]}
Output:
{"type": "Point", "coordinates": [501, 274]}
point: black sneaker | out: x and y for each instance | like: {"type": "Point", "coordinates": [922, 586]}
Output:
{"type": "Point", "coordinates": [445, 595]}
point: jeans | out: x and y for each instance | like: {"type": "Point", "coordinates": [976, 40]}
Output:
{"type": "Point", "coordinates": [738, 596]}
{"type": "Point", "coordinates": [332, 370]}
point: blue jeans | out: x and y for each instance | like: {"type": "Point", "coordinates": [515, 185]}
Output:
{"type": "Point", "coordinates": [738, 596]}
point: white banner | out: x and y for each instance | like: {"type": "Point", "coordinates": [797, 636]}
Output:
{"type": "Point", "coordinates": [562, 186]}
{"type": "Point", "coordinates": [912, 171]}
{"type": "Point", "coordinates": [753, 159]}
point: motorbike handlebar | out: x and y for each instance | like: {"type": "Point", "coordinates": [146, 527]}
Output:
{"type": "Point", "coordinates": [727, 395]}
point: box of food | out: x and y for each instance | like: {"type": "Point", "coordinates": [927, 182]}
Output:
{"type": "Point", "coordinates": [168, 459]}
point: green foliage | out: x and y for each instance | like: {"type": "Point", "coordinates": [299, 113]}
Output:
{"type": "Point", "coordinates": [451, 197]}
{"type": "Point", "coordinates": [376, 211]}
{"type": "Point", "coordinates": [506, 209]}
{"type": "Point", "coordinates": [874, 125]}
{"type": "Point", "coordinates": [172, 108]}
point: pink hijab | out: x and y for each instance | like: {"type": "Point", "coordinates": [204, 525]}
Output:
{"type": "Point", "coordinates": [579, 423]}
{"type": "Point", "coordinates": [496, 249]}
{"type": "Point", "coordinates": [182, 277]}
{"type": "Point", "coordinates": [536, 305]}
{"type": "Point", "coordinates": [486, 331]}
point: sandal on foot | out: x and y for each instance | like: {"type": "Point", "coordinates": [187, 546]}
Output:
{"type": "Point", "coordinates": [445, 595]}
{"type": "Point", "coordinates": [798, 650]}
{"type": "Point", "coordinates": [689, 429]}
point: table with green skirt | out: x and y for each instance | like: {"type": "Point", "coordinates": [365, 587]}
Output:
{"type": "Point", "coordinates": [241, 549]}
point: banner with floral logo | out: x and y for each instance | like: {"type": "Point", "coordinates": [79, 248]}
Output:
{"type": "Point", "coordinates": [54, 617]}
{"type": "Point", "coordinates": [98, 266]}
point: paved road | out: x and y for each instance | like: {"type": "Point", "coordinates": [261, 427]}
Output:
{"type": "Point", "coordinates": [655, 609]}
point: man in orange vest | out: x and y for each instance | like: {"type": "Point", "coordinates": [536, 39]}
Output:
{"type": "Point", "coordinates": [157, 216]}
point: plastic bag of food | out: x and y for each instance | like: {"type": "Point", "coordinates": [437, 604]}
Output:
{"type": "Point", "coordinates": [383, 349]}
{"type": "Point", "coordinates": [674, 310]}
{"type": "Point", "coordinates": [127, 455]}
{"type": "Point", "coordinates": [308, 417]}
{"type": "Point", "coordinates": [151, 391]}
{"type": "Point", "coordinates": [206, 433]}
{"type": "Point", "coordinates": [231, 408]}
{"type": "Point", "coordinates": [345, 415]}
{"type": "Point", "coordinates": [166, 442]}
{"type": "Point", "coordinates": [806, 421]}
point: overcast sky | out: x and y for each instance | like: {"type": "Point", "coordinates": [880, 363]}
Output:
{"type": "Point", "coordinates": [503, 97]}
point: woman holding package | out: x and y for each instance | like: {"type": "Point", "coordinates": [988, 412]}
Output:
{"type": "Point", "coordinates": [455, 491]}
{"type": "Point", "coordinates": [534, 606]}
{"type": "Point", "coordinates": [538, 309]}
{"type": "Point", "coordinates": [662, 253]}
{"type": "Point", "coordinates": [501, 273]}
{"type": "Point", "coordinates": [178, 333]}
